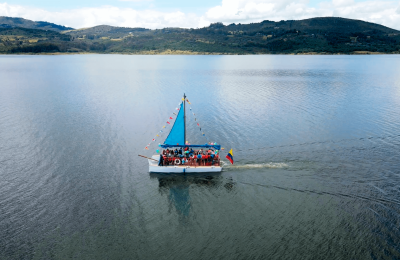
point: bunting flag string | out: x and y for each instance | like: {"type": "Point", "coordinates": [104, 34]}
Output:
{"type": "Point", "coordinates": [169, 121]}
{"type": "Point", "coordinates": [160, 133]}
{"type": "Point", "coordinates": [197, 122]}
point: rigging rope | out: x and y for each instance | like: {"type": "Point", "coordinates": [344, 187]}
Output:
{"type": "Point", "coordinates": [168, 122]}
{"type": "Point", "coordinates": [197, 122]}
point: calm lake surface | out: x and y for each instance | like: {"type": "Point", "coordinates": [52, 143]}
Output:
{"type": "Point", "coordinates": [316, 143]}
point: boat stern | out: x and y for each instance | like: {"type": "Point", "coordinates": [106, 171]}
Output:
{"type": "Point", "coordinates": [152, 162]}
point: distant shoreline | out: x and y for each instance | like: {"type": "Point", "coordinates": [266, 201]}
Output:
{"type": "Point", "coordinates": [173, 52]}
{"type": "Point", "coordinates": [314, 36]}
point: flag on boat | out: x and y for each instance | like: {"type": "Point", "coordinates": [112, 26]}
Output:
{"type": "Point", "coordinates": [230, 156]}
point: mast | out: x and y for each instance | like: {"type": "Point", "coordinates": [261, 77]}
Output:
{"type": "Point", "coordinates": [184, 118]}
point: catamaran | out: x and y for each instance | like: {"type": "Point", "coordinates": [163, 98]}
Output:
{"type": "Point", "coordinates": [179, 156]}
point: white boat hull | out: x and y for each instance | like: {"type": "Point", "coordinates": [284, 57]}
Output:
{"type": "Point", "coordinates": [153, 167]}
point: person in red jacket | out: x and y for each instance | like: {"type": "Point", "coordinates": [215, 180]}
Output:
{"type": "Point", "coordinates": [203, 159]}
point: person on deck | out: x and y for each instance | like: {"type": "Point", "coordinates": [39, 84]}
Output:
{"type": "Point", "coordinates": [199, 158]}
{"type": "Point", "coordinates": [165, 160]}
{"type": "Point", "coordinates": [161, 162]}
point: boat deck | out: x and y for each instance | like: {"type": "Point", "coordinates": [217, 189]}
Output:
{"type": "Point", "coordinates": [193, 165]}
{"type": "Point", "coordinates": [193, 162]}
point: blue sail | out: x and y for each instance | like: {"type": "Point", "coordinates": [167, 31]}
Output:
{"type": "Point", "coordinates": [177, 134]}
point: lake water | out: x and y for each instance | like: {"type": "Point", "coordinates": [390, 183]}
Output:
{"type": "Point", "coordinates": [315, 139]}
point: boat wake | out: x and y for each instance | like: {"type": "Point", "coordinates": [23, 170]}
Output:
{"type": "Point", "coordinates": [258, 165]}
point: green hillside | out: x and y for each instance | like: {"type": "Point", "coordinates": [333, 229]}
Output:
{"type": "Point", "coordinates": [11, 22]}
{"type": "Point", "coordinates": [317, 35]}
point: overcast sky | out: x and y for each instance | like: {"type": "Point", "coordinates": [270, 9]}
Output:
{"type": "Point", "coordinates": [193, 14]}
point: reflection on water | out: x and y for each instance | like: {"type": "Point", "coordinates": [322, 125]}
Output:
{"type": "Point", "coordinates": [177, 188]}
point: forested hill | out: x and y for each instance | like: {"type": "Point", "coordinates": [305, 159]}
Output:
{"type": "Point", "coordinates": [328, 35]}
{"type": "Point", "coordinates": [11, 22]}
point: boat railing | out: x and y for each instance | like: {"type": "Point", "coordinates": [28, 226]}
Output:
{"type": "Point", "coordinates": [192, 162]}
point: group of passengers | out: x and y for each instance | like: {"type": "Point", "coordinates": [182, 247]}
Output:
{"type": "Point", "coordinates": [192, 157]}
